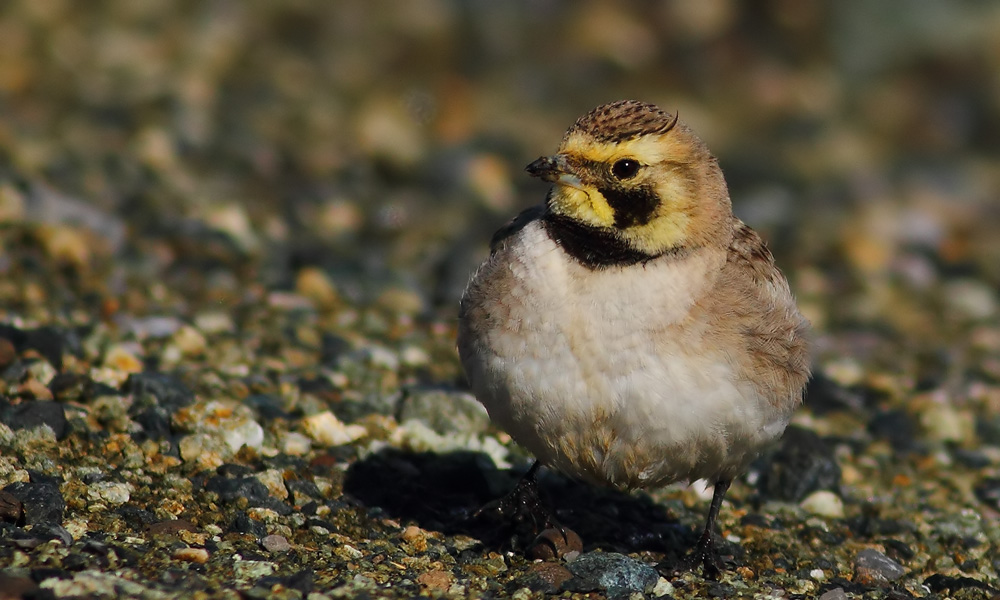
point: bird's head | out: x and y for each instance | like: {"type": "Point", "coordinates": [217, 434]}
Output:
{"type": "Point", "coordinates": [631, 171]}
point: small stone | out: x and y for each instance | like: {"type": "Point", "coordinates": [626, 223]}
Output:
{"type": "Point", "coordinates": [824, 503]}
{"type": "Point", "coordinates": [611, 572]}
{"type": "Point", "coordinates": [436, 580]}
{"type": "Point", "coordinates": [294, 443]}
{"type": "Point", "coordinates": [944, 422]}
{"type": "Point", "coordinates": [555, 543]}
{"type": "Point", "coordinates": [416, 538]}
{"type": "Point", "coordinates": [315, 284]}
{"type": "Point", "coordinates": [29, 415]}
{"type": "Point", "coordinates": [663, 588]}
{"type": "Point", "coordinates": [170, 528]}
{"type": "Point", "coordinates": [275, 543]}
{"type": "Point", "coordinates": [8, 353]}
{"type": "Point", "coordinates": [124, 358]}
{"type": "Point", "coordinates": [206, 450]}
{"type": "Point", "coordinates": [11, 509]}
{"type": "Point", "coordinates": [190, 341]}
{"type": "Point", "coordinates": [834, 594]}
{"type": "Point", "coordinates": [545, 577]}
{"type": "Point", "coordinates": [214, 322]}
{"type": "Point", "coordinates": [328, 430]}
{"type": "Point", "coordinates": [195, 555]}
{"type": "Point", "coordinates": [274, 481]}
{"type": "Point", "coordinates": [166, 390]}
{"type": "Point", "coordinates": [871, 567]}
{"type": "Point", "coordinates": [445, 412]}
{"type": "Point", "coordinates": [112, 492]}
{"type": "Point", "coordinates": [42, 501]}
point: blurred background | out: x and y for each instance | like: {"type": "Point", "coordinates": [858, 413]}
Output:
{"type": "Point", "coordinates": [156, 154]}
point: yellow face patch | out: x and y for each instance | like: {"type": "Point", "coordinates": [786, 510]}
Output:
{"type": "Point", "coordinates": [665, 172]}
{"type": "Point", "coordinates": [584, 205]}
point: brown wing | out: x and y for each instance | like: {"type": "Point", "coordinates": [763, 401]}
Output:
{"type": "Point", "coordinates": [773, 331]}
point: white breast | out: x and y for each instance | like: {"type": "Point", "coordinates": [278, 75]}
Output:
{"type": "Point", "coordinates": [589, 371]}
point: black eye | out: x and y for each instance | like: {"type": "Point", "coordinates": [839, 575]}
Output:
{"type": "Point", "coordinates": [625, 168]}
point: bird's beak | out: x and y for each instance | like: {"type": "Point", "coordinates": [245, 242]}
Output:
{"type": "Point", "coordinates": [550, 168]}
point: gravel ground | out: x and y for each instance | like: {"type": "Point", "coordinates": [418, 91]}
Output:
{"type": "Point", "coordinates": [233, 236]}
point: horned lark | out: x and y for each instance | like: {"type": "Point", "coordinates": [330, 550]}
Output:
{"type": "Point", "coordinates": [631, 331]}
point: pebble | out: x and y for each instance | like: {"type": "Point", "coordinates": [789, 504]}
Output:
{"type": "Point", "coordinates": [275, 543]}
{"type": "Point", "coordinates": [942, 422]}
{"type": "Point", "coordinates": [294, 443]}
{"type": "Point", "coordinates": [112, 492]}
{"type": "Point", "coordinates": [124, 358]}
{"type": "Point", "coordinates": [328, 430]}
{"type": "Point", "coordinates": [8, 353]}
{"type": "Point", "coordinates": [32, 414]}
{"type": "Point", "coordinates": [165, 390]}
{"type": "Point", "coordinates": [435, 581]}
{"type": "Point", "coordinates": [611, 572]}
{"type": "Point", "coordinates": [190, 341]}
{"type": "Point", "coordinates": [315, 284]}
{"type": "Point", "coordinates": [42, 502]}
{"type": "Point", "coordinates": [204, 449]}
{"type": "Point", "coordinates": [871, 567]}
{"type": "Point", "coordinates": [11, 509]}
{"type": "Point", "coordinates": [194, 555]}
{"type": "Point", "coordinates": [274, 481]}
{"type": "Point", "coordinates": [545, 577]}
{"type": "Point", "coordinates": [834, 594]}
{"type": "Point", "coordinates": [445, 412]}
{"type": "Point", "coordinates": [824, 503]}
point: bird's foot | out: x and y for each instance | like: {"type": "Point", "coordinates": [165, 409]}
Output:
{"type": "Point", "coordinates": [525, 512]}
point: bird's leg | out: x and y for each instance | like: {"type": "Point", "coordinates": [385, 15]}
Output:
{"type": "Point", "coordinates": [524, 502]}
{"type": "Point", "coordinates": [704, 552]}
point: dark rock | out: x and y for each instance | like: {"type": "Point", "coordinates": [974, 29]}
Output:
{"type": "Point", "coordinates": [136, 518]}
{"type": "Point", "coordinates": [269, 407]}
{"type": "Point", "coordinates": [871, 567]}
{"type": "Point", "coordinates": [973, 459]}
{"type": "Point", "coordinates": [155, 422]}
{"type": "Point", "coordinates": [332, 347]}
{"type": "Point", "coordinates": [41, 574]}
{"type": "Point", "coordinates": [50, 342]}
{"type": "Point", "coordinates": [167, 391]}
{"type": "Point", "coordinates": [616, 574]}
{"type": "Point", "coordinates": [43, 502]}
{"type": "Point", "coordinates": [802, 464]}
{"type": "Point", "coordinates": [71, 387]}
{"type": "Point", "coordinates": [242, 523]}
{"type": "Point", "coordinates": [29, 415]}
{"type": "Point", "coordinates": [988, 492]}
{"type": "Point", "coordinates": [243, 487]}
{"type": "Point", "coordinates": [945, 584]}
{"type": "Point", "coordinates": [823, 395]}
{"type": "Point", "coordinates": [897, 427]}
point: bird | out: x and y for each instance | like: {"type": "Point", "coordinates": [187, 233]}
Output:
{"type": "Point", "coordinates": [630, 331]}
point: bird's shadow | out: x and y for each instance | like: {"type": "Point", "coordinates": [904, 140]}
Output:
{"type": "Point", "coordinates": [443, 492]}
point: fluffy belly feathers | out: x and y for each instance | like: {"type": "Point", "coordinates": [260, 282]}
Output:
{"type": "Point", "coordinates": [595, 380]}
